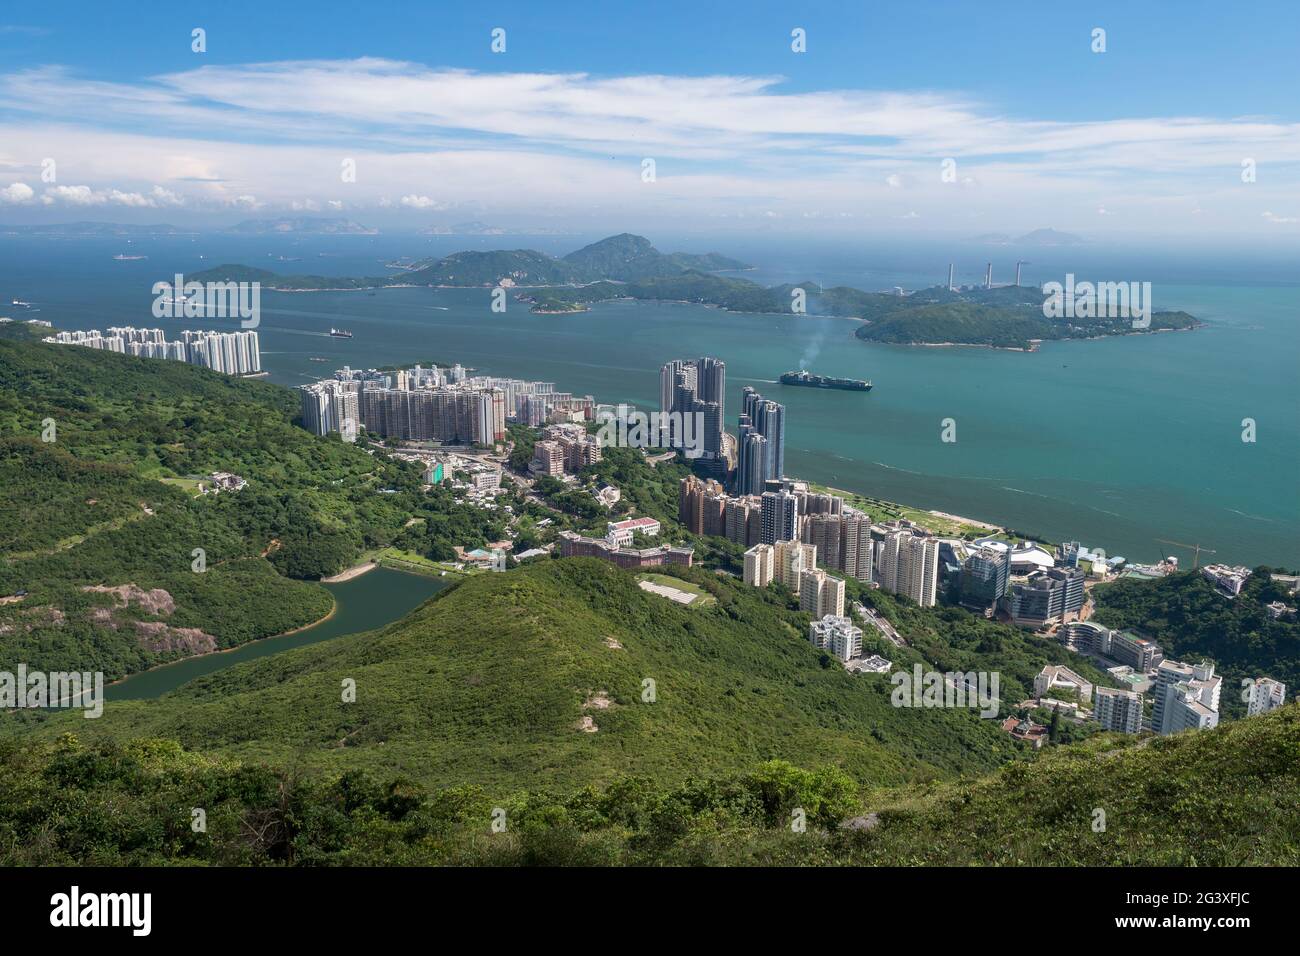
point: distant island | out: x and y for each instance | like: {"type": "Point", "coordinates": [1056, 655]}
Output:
{"type": "Point", "coordinates": [627, 266]}
{"type": "Point", "coordinates": [304, 226]}
{"type": "Point", "coordinates": [1039, 237]}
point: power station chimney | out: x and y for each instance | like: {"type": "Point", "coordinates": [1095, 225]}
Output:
{"type": "Point", "coordinates": [988, 277]}
{"type": "Point", "coordinates": [950, 277]}
{"type": "Point", "coordinates": [1018, 264]}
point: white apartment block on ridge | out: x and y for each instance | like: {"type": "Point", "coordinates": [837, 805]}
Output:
{"type": "Point", "coordinates": [758, 565]}
{"type": "Point", "coordinates": [1186, 697]}
{"type": "Point", "coordinates": [1263, 695]}
{"type": "Point", "coordinates": [837, 635]}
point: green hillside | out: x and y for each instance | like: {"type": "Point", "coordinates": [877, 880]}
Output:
{"type": "Point", "coordinates": [1224, 797]}
{"type": "Point", "coordinates": [489, 683]}
{"type": "Point", "coordinates": [112, 503]}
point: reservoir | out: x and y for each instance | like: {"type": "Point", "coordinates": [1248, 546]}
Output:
{"type": "Point", "coordinates": [372, 600]}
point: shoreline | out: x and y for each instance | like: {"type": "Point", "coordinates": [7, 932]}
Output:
{"type": "Point", "coordinates": [349, 573]}
{"type": "Point", "coordinates": [334, 607]}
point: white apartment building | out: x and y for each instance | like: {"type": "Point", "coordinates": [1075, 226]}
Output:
{"type": "Point", "coordinates": [1186, 697]}
{"type": "Point", "coordinates": [821, 594]}
{"type": "Point", "coordinates": [837, 635]}
{"type": "Point", "coordinates": [758, 565]}
{"type": "Point", "coordinates": [908, 563]}
{"type": "Point", "coordinates": [792, 558]}
{"type": "Point", "coordinates": [1118, 710]}
{"type": "Point", "coordinates": [1263, 695]}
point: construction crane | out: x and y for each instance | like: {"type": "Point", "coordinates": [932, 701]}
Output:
{"type": "Point", "coordinates": [1196, 561]}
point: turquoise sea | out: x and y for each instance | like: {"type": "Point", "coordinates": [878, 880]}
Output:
{"type": "Point", "coordinates": [1117, 443]}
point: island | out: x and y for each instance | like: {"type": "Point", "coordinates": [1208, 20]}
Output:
{"type": "Point", "coordinates": [627, 266]}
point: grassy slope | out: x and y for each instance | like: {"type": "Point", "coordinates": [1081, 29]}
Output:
{"type": "Point", "coordinates": [486, 684]}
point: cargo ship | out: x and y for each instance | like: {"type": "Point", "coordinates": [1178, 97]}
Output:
{"type": "Point", "coordinates": [340, 334]}
{"type": "Point", "coordinates": [825, 381]}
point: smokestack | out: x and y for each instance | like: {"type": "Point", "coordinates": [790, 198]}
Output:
{"type": "Point", "coordinates": [950, 277]}
{"type": "Point", "coordinates": [988, 277]}
{"type": "Point", "coordinates": [1017, 273]}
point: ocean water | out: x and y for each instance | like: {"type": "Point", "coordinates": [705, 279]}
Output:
{"type": "Point", "coordinates": [1118, 443]}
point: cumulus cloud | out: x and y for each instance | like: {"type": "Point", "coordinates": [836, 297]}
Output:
{"type": "Point", "coordinates": [16, 193]}
{"type": "Point", "coordinates": [418, 202]}
{"type": "Point", "coordinates": [1274, 218]}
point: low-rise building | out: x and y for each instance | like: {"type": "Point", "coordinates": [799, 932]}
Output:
{"type": "Point", "coordinates": [1229, 580]}
{"type": "Point", "coordinates": [1061, 678]}
{"type": "Point", "coordinates": [837, 635]}
{"type": "Point", "coordinates": [576, 546]}
{"type": "Point", "coordinates": [621, 533]}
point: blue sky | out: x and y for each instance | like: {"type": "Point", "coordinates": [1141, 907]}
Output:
{"type": "Point", "coordinates": [852, 133]}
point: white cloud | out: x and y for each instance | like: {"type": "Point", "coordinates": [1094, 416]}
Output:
{"type": "Point", "coordinates": [16, 193]}
{"type": "Point", "coordinates": [1272, 218]}
{"type": "Point", "coordinates": [553, 143]}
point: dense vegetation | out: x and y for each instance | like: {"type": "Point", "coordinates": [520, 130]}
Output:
{"type": "Point", "coordinates": [487, 684]}
{"type": "Point", "coordinates": [112, 501]}
{"type": "Point", "coordinates": [1188, 617]}
{"type": "Point", "coordinates": [1219, 798]}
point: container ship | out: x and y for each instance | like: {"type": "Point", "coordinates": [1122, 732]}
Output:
{"type": "Point", "coordinates": [340, 334]}
{"type": "Point", "coordinates": [825, 381]}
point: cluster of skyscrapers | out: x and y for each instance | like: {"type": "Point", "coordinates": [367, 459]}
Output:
{"type": "Point", "coordinates": [433, 404]}
{"type": "Point", "coordinates": [696, 388]}
{"type": "Point", "coordinates": [234, 353]}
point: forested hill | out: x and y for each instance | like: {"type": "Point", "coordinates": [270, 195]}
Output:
{"type": "Point", "coordinates": [620, 258]}
{"type": "Point", "coordinates": [112, 502]}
